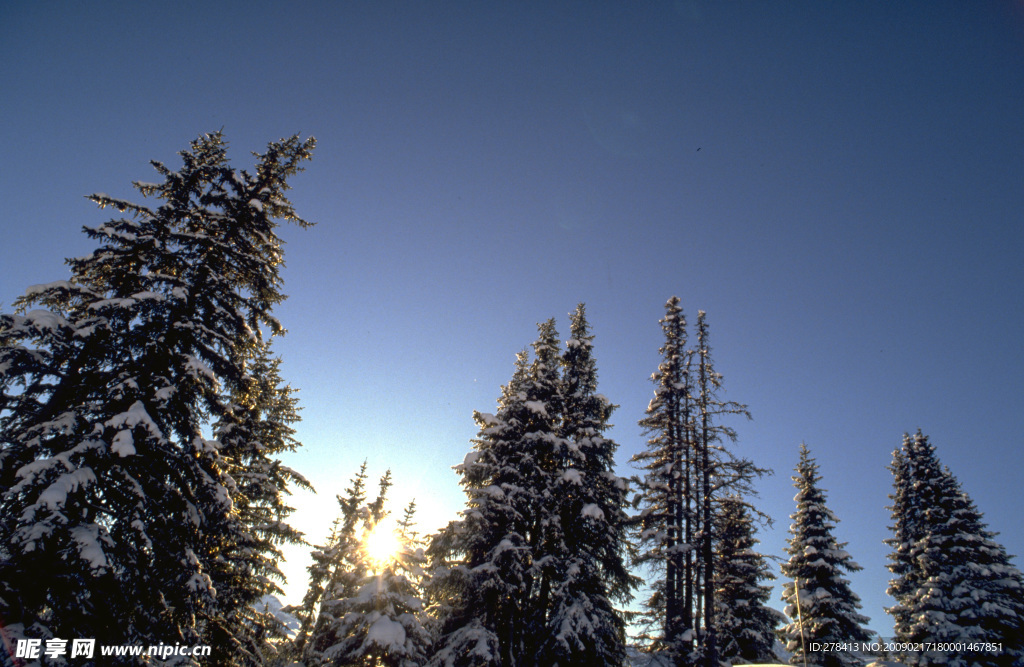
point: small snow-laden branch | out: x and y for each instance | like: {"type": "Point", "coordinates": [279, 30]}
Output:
{"type": "Point", "coordinates": [55, 496]}
{"type": "Point", "coordinates": [134, 416]}
{"type": "Point", "coordinates": [104, 200]}
{"type": "Point", "coordinates": [88, 539]}
{"type": "Point", "coordinates": [536, 407]}
{"type": "Point", "coordinates": [572, 476]}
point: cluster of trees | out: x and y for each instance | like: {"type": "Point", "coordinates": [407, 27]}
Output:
{"type": "Point", "coordinates": [695, 529]}
{"type": "Point", "coordinates": [143, 499]}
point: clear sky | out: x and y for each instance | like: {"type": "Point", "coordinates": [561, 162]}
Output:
{"type": "Point", "coordinates": [839, 185]}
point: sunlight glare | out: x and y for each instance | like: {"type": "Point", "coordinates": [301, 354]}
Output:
{"type": "Point", "coordinates": [382, 544]}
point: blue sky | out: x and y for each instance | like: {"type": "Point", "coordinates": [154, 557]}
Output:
{"type": "Point", "coordinates": [840, 186]}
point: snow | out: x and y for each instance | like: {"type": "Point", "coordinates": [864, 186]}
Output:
{"type": "Point", "coordinates": [592, 511]}
{"type": "Point", "coordinates": [487, 419]}
{"type": "Point", "coordinates": [89, 547]}
{"type": "Point", "coordinates": [36, 290]}
{"type": "Point", "coordinates": [572, 476]}
{"type": "Point", "coordinates": [56, 494]}
{"type": "Point", "coordinates": [387, 634]}
{"type": "Point", "coordinates": [123, 444]}
{"type": "Point", "coordinates": [196, 368]}
{"type": "Point", "coordinates": [536, 407]}
{"type": "Point", "coordinates": [132, 417]}
{"type": "Point", "coordinates": [273, 606]}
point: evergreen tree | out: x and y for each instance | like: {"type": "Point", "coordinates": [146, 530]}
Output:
{"type": "Point", "coordinates": [406, 526]}
{"type": "Point", "coordinates": [115, 508]}
{"type": "Point", "coordinates": [479, 563]}
{"type": "Point", "coordinates": [820, 604]}
{"type": "Point", "coordinates": [491, 589]}
{"type": "Point", "coordinates": [327, 560]}
{"type": "Point", "coordinates": [669, 518]}
{"type": "Point", "coordinates": [348, 567]}
{"type": "Point", "coordinates": [745, 624]}
{"type": "Point", "coordinates": [688, 469]}
{"type": "Point", "coordinates": [583, 627]}
{"type": "Point", "coordinates": [372, 615]}
{"type": "Point", "coordinates": [955, 583]}
{"type": "Point", "coordinates": [545, 533]}
{"type": "Point", "coordinates": [528, 575]}
{"type": "Point", "coordinates": [253, 434]}
{"type": "Point", "coordinates": [907, 530]}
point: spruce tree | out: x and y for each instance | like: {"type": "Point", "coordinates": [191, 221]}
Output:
{"type": "Point", "coordinates": [529, 574]}
{"type": "Point", "coordinates": [907, 529]}
{"type": "Point", "coordinates": [689, 467]}
{"type": "Point", "coordinates": [116, 507]}
{"type": "Point", "coordinates": [492, 586]}
{"type": "Point", "coordinates": [820, 604]}
{"type": "Point", "coordinates": [480, 563]}
{"type": "Point", "coordinates": [583, 627]}
{"type": "Point", "coordinates": [744, 622]}
{"type": "Point", "coordinates": [372, 613]}
{"type": "Point", "coordinates": [955, 583]}
{"type": "Point", "coordinates": [256, 431]}
{"type": "Point", "coordinates": [669, 519]}
{"type": "Point", "coordinates": [349, 566]}
{"type": "Point", "coordinates": [327, 560]}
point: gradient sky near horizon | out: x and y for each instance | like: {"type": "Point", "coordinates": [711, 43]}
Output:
{"type": "Point", "coordinates": [839, 185]}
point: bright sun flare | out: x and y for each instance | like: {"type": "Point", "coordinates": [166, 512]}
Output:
{"type": "Point", "coordinates": [382, 544]}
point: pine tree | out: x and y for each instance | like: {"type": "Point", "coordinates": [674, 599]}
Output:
{"type": "Point", "coordinates": [528, 575]}
{"type": "Point", "coordinates": [492, 588]}
{"type": "Point", "coordinates": [372, 614]}
{"type": "Point", "coordinates": [669, 519]}
{"type": "Point", "coordinates": [688, 469]}
{"type": "Point", "coordinates": [908, 528]}
{"type": "Point", "coordinates": [115, 506]}
{"type": "Point", "coordinates": [253, 434]}
{"type": "Point", "coordinates": [820, 604]}
{"type": "Point", "coordinates": [479, 564]}
{"type": "Point", "coordinates": [583, 627]}
{"type": "Point", "coordinates": [955, 583]}
{"type": "Point", "coordinates": [745, 624]}
{"type": "Point", "coordinates": [327, 559]}
{"type": "Point", "coordinates": [545, 535]}
{"type": "Point", "coordinates": [348, 567]}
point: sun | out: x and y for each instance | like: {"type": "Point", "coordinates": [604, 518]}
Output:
{"type": "Point", "coordinates": [382, 544]}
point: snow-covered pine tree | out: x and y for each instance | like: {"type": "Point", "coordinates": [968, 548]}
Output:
{"type": "Point", "coordinates": [955, 583]}
{"type": "Point", "coordinates": [907, 529]}
{"type": "Point", "coordinates": [717, 471]}
{"type": "Point", "coordinates": [479, 563]}
{"type": "Point", "coordinates": [820, 604]}
{"type": "Point", "coordinates": [688, 467]}
{"type": "Point", "coordinates": [114, 503]}
{"type": "Point", "coordinates": [745, 624]}
{"type": "Point", "coordinates": [327, 559]}
{"type": "Point", "coordinates": [583, 627]}
{"type": "Point", "coordinates": [669, 518]}
{"type": "Point", "coordinates": [373, 614]}
{"type": "Point", "coordinates": [256, 431]}
{"type": "Point", "coordinates": [545, 536]}
{"type": "Point", "coordinates": [347, 566]}
{"type": "Point", "coordinates": [491, 587]}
